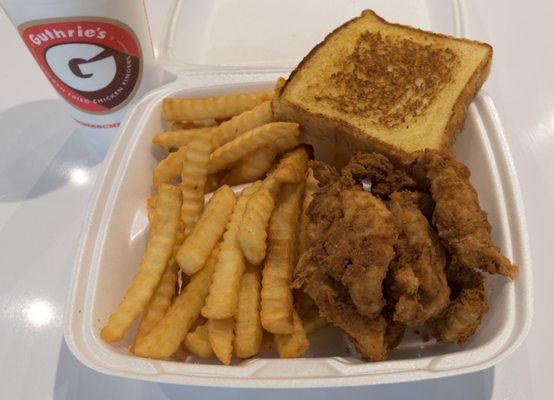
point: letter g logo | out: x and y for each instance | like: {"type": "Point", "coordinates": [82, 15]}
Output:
{"type": "Point", "coordinates": [82, 66]}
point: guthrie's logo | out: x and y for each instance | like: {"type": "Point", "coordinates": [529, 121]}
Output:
{"type": "Point", "coordinates": [95, 64]}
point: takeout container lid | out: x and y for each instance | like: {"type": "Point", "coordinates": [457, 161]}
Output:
{"type": "Point", "coordinates": [224, 47]}
{"type": "Point", "coordinates": [270, 35]}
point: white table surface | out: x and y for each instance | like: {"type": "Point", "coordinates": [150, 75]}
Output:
{"type": "Point", "coordinates": [47, 173]}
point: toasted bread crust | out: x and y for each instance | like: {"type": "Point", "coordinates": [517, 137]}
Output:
{"type": "Point", "coordinates": [459, 110]}
{"type": "Point", "coordinates": [350, 139]}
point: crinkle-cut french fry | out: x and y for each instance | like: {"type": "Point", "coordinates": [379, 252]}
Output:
{"type": "Point", "coordinates": [177, 125]}
{"type": "Point", "coordinates": [152, 266]}
{"type": "Point", "coordinates": [201, 123]}
{"type": "Point", "coordinates": [314, 322]}
{"type": "Point", "coordinates": [193, 180]}
{"type": "Point", "coordinates": [151, 216]}
{"type": "Point", "coordinates": [220, 333]}
{"type": "Point", "coordinates": [172, 140]}
{"type": "Point", "coordinates": [205, 123]}
{"type": "Point", "coordinates": [276, 295]}
{"type": "Point", "coordinates": [248, 326]}
{"type": "Point", "coordinates": [253, 230]}
{"type": "Point", "coordinates": [151, 202]}
{"type": "Point", "coordinates": [211, 107]}
{"type": "Point", "coordinates": [295, 344]}
{"type": "Point", "coordinates": [279, 83]}
{"type": "Point", "coordinates": [236, 126]}
{"type": "Point", "coordinates": [180, 354]}
{"type": "Point", "coordinates": [162, 297]}
{"type": "Point", "coordinates": [253, 166]}
{"type": "Point", "coordinates": [262, 136]}
{"type": "Point", "coordinates": [213, 182]}
{"type": "Point", "coordinates": [198, 342]}
{"type": "Point", "coordinates": [169, 168]}
{"type": "Point", "coordinates": [160, 301]}
{"type": "Point", "coordinates": [304, 239]}
{"type": "Point", "coordinates": [198, 245]}
{"type": "Point", "coordinates": [286, 143]}
{"type": "Point", "coordinates": [292, 166]}
{"type": "Point", "coordinates": [167, 335]}
{"type": "Point", "coordinates": [224, 292]}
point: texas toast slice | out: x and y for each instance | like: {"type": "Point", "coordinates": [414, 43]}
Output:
{"type": "Point", "coordinates": [376, 86]}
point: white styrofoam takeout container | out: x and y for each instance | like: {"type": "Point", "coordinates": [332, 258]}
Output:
{"type": "Point", "coordinates": [115, 231]}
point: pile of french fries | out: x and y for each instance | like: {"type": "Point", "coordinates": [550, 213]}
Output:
{"type": "Point", "coordinates": [215, 275]}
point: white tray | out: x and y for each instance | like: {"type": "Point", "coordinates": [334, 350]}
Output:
{"type": "Point", "coordinates": [115, 236]}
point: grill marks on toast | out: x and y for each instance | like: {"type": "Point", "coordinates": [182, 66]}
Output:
{"type": "Point", "coordinates": [388, 80]}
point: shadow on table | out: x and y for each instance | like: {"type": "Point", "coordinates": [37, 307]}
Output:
{"type": "Point", "coordinates": [42, 149]}
{"type": "Point", "coordinates": [75, 381]}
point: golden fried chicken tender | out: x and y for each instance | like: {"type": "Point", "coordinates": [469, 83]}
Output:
{"type": "Point", "coordinates": [368, 335]}
{"type": "Point", "coordinates": [462, 225]}
{"type": "Point", "coordinates": [358, 245]}
{"type": "Point", "coordinates": [418, 285]}
{"type": "Point", "coordinates": [468, 305]}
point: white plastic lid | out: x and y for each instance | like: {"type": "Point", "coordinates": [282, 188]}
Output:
{"type": "Point", "coordinates": [276, 34]}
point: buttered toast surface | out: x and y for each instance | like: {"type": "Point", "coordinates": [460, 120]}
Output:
{"type": "Point", "coordinates": [373, 85]}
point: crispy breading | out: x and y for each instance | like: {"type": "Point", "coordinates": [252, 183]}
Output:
{"type": "Point", "coordinates": [324, 173]}
{"type": "Point", "coordinates": [368, 335]}
{"type": "Point", "coordinates": [466, 309]}
{"type": "Point", "coordinates": [462, 224]}
{"type": "Point", "coordinates": [357, 246]}
{"type": "Point", "coordinates": [376, 168]}
{"type": "Point", "coordinates": [418, 283]}
{"type": "Point", "coordinates": [394, 333]}
{"type": "Point", "coordinates": [344, 268]}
